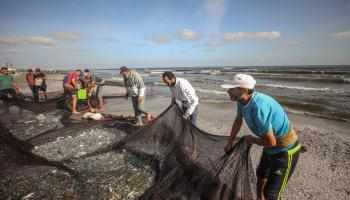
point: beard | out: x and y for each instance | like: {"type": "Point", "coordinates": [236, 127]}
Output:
{"type": "Point", "coordinates": [233, 98]}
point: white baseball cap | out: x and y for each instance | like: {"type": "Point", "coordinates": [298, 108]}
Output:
{"type": "Point", "coordinates": [240, 80]}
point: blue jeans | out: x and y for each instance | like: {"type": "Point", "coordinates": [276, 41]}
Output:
{"type": "Point", "coordinates": [193, 117]}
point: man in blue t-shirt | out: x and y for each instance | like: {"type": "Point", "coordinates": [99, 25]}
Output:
{"type": "Point", "coordinates": [268, 121]}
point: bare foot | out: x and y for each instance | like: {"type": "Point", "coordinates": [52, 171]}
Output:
{"type": "Point", "coordinates": [75, 112]}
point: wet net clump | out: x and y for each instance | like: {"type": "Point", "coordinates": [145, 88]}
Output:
{"type": "Point", "coordinates": [53, 155]}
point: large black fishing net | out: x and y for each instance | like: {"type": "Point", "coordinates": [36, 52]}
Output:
{"type": "Point", "coordinates": [53, 155]}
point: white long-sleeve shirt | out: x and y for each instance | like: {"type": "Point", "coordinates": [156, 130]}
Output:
{"type": "Point", "coordinates": [184, 92]}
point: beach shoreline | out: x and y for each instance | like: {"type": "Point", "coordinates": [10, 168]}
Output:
{"type": "Point", "coordinates": [322, 172]}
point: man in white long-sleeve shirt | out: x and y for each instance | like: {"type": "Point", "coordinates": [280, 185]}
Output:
{"type": "Point", "coordinates": [135, 88]}
{"type": "Point", "coordinates": [182, 91]}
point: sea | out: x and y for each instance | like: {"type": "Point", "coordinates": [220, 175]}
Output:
{"type": "Point", "coordinates": [321, 91]}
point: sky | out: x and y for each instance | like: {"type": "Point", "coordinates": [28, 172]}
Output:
{"type": "Point", "coordinates": [73, 34]}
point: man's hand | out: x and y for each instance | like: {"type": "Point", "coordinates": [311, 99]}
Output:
{"type": "Point", "coordinates": [139, 99]}
{"type": "Point", "coordinates": [185, 117]}
{"type": "Point", "coordinates": [228, 147]}
{"type": "Point", "coordinates": [126, 97]}
{"type": "Point", "coordinates": [248, 139]}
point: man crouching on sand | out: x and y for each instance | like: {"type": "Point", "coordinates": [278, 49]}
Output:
{"type": "Point", "coordinates": [268, 121]}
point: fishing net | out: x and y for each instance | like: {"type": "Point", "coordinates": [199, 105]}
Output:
{"type": "Point", "coordinates": [60, 157]}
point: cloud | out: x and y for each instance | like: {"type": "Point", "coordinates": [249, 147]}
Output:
{"type": "Point", "coordinates": [66, 36]}
{"type": "Point", "coordinates": [111, 39]}
{"type": "Point", "coordinates": [47, 41]}
{"type": "Point", "coordinates": [215, 43]}
{"type": "Point", "coordinates": [251, 36]}
{"type": "Point", "coordinates": [291, 43]}
{"type": "Point", "coordinates": [214, 12]}
{"type": "Point", "coordinates": [162, 38]}
{"type": "Point", "coordinates": [188, 34]}
{"type": "Point", "coordinates": [340, 35]}
{"type": "Point", "coordinates": [12, 51]}
{"type": "Point", "coordinates": [73, 50]}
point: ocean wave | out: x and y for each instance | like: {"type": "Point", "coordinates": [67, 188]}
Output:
{"type": "Point", "coordinates": [215, 101]}
{"type": "Point", "coordinates": [301, 88]}
{"type": "Point", "coordinates": [158, 83]}
{"type": "Point", "coordinates": [211, 91]}
{"type": "Point", "coordinates": [116, 79]}
{"type": "Point", "coordinates": [341, 79]}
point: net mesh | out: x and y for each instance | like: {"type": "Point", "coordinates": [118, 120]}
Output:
{"type": "Point", "coordinates": [168, 158]}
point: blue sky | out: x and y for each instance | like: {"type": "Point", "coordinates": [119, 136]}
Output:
{"type": "Point", "coordinates": [174, 33]}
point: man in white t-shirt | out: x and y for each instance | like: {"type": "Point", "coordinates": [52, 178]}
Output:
{"type": "Point", "coordinates": [182, 91]}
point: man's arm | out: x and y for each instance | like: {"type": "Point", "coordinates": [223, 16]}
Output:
{"type": "Point", "coordinates": [15, 86]}
{"type": "Point", "coordinates": [27, 80]}
{"type": "Point", "coordinates": [74, 82]}
{"type": "Point", "coordinates": [44, 77]}
{"type": "Point", "coordinates": [266, 140]}
{"type": "Point", "coordinates": [140, 85]}
{"type": "Point", "coordinates": [236, 127]}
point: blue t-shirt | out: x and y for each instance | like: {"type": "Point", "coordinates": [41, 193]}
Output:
{"type": "Point", "coordinates": [64, 81]}
{"type": "Point", "coordinates": [263, 113]}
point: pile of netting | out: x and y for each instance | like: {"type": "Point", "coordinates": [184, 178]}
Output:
{"type": "Point", "coordinates": [51, 156]}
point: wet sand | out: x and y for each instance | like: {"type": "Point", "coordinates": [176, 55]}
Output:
{"type": "Point", "coordinates": [322, 172]}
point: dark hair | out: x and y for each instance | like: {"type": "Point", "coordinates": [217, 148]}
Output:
{"type": "Point", "coordinates": [4, 68]}
{"type": "Point", "coordinates": [37, 70]}
{"type": "Point", "coordinates": [30, 70]}
{"type": "Point", "coordinates": [168, 74]}
{"type": "Point", "coordinates": [86, 70]}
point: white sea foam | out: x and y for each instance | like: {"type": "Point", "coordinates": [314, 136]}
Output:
{"type": "Point", "coordinates": [116, 79]}
{"type": "Point", "coordinates": [156, 83]}
{"type": "Point", "coordinates": [300, 88]}
{"type": "Point", "coordinates": [211, 91]}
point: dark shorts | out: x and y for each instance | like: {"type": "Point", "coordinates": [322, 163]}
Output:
{"type": "Point", "coordinates": [277, 169]}
{"type": "Point", "coordinates": [10, 92]}
{"type": "Point", "coordinates": [40, 88]}
{"type": "Point", "coordinates": [71, 92]}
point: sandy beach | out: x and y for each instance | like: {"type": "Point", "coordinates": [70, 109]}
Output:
{"type": "Point", "coordinates": [322, 172]}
